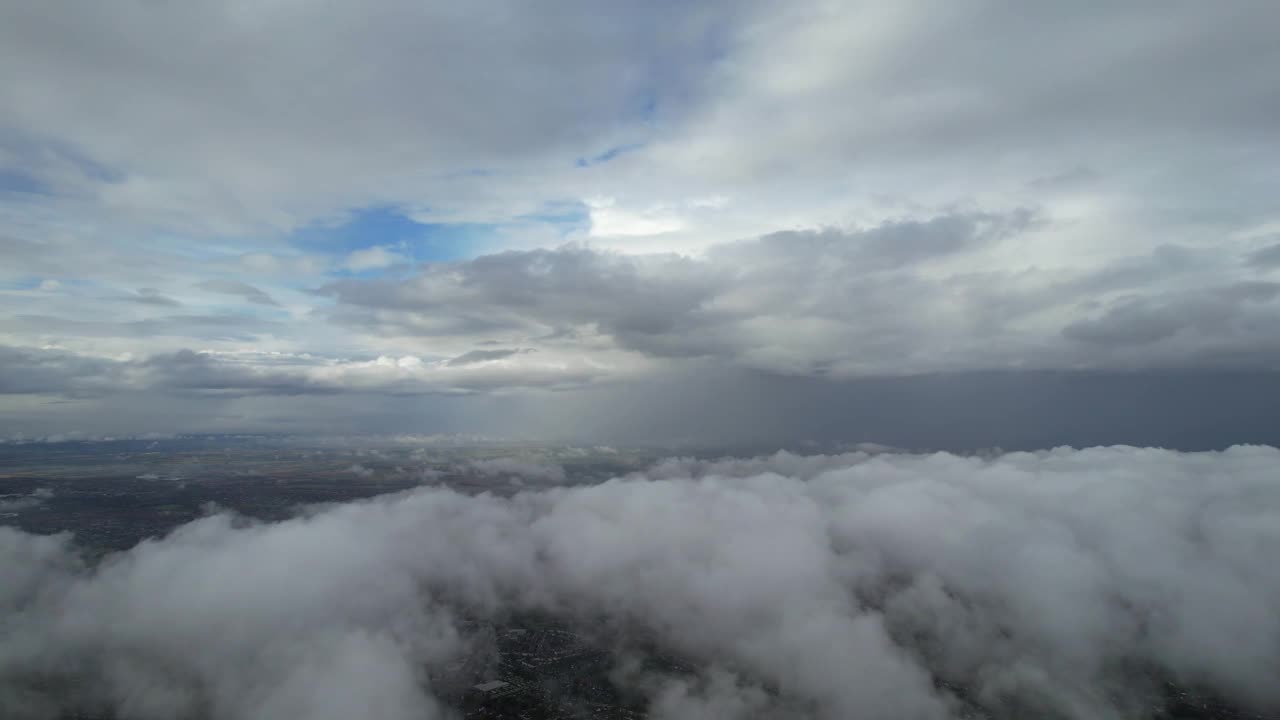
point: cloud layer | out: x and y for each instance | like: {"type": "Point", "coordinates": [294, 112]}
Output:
{"type": "Point", "coordinates": [1062, 583]}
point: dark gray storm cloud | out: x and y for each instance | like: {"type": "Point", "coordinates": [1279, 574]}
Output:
{"type": "Point", "coordinates": [1220, 312]}
{"type": "Point", "coordinates": [1062, 583]}
{"type": "Point", "coordinates": [49, 371]}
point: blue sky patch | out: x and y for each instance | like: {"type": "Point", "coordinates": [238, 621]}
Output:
{"type": "Point", "coordinates": [385, 226]}
{"type": "Point", "coordinates": [390, 228]}
{"type": "Point", "coordinates": [12, 181]}
{"type": "Point", "coordinates": [34, 152]}
{"type": "Point", "coordinates": [26, 282]}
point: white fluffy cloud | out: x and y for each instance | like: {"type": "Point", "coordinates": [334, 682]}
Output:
{"type": "Point", "coordinates": [1064, 583]}
{"type": "Point", "coordinates": [373, 258]}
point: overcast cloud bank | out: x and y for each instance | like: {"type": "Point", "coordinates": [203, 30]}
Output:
{"type": "Point", "coordinates": [313, 202]}
{"type": "Point", "coordinates": [1065, 583]}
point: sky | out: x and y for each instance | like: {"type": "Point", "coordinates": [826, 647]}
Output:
{"type": "Point", "coordinates": [928, 224]}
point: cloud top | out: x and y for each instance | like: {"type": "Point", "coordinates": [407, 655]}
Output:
{"type": "Point", "coordinates": [1064, 583]}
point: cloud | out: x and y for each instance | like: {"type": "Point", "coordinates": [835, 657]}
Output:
{"type": "Point", "coordinates": [535, 292]}
{"type": "Point", "coordinates": [251, 373]}
{"type": "Point", "coordinates": [704, 103]}
{"type": "Point", "coordinates": [564, 398]}
{"type": "Point", "coordinates": [902, 297]}
{"type": "Point", "coordinates": [373, 258]}
{"type": "Point", "coordinates": [14, 503]}
{"type": "Point", "coordinates": [609, 221]}
{"type": "Point", "coordinates": [812, 190]}
{"type": "Point", "coordinates": [361, 471]}
{"type": "Point", "coordinates": [43, 371]}
{"type": "Point", "coordinates": [877, 99]}
{"type": "Point", "coordinates": [244, 160]}
{"type": "Point", "coordinates": [235, 287]}
{"type": "Point", "coordinates": [478, 356]}
{"type": "Point", "coordinates": [1221, 325]}
{"type": "Point", "coordinates": [1064, 583]}
{"type": "Point", "coordinates": [144, 296]}
{"type": "Point", "coordinates": [1266, 258]}
{"type": "Point", "coordinates": [267, 264]}
{"type": "Point", "coordinates": [524, 469]}
{"type": "Point", "coordinates": [210, 327]}
{"type": "Point", "coordinates": [671, 305]}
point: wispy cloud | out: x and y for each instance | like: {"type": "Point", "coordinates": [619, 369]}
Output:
{"type": "Point", "coordinates": [236, 287]}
